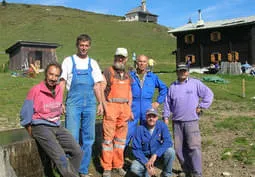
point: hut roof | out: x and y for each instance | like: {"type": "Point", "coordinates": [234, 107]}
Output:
{"type": "Point", "coordinates": [241, 21]}
{"type": "Point", "coordinates": [31, 44]}
{"type": "Point", "coordinates": [139, 9]}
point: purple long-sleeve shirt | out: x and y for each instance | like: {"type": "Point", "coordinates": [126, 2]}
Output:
{"type": "Point", "coordinates": [183, 98]}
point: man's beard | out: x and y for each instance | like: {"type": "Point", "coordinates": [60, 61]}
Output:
{"type": "Point", "coordinates": [119, 66]}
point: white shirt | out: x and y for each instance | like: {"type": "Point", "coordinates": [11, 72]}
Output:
{"type": "Point", "coordinates": [67, 67]}
{"type": "Point", "coordinates": [151, 130]}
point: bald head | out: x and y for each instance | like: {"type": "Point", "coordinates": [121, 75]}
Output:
{"type": "Point", "coordinates": [142, 63]}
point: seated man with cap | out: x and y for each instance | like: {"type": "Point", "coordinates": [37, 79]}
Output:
{"type": "Point", "coordinates": [152, 143]}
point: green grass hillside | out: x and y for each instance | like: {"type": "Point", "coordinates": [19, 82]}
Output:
{"type": "Point", "coordinates": [62, 25]}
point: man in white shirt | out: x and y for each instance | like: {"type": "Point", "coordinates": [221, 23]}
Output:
{"type": "Point", "coordinates": [82, 76]}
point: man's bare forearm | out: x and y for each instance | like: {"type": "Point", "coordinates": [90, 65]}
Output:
{"type": "Point", "coordinates": [98, 92]}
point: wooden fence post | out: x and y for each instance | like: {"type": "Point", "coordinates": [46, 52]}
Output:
{"type": "Point", "coordinates": [243, 88]}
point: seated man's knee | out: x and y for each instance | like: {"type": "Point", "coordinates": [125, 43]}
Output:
{"type": "Point", "coordinates": [137, 168]}
{"type": "Point", "coordinates": [169, 153]}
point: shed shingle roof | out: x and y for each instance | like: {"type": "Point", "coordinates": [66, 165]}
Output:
{"type": "Point", "coordinates": [32, 44]}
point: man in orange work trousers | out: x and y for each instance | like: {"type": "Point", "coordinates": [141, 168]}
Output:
{"type": "Point", "coordinates": [117, 103]}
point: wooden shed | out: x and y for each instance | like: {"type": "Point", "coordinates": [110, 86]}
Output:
{"type": "Point", "coordinates": [205, 43]}
{"type": "Point", "coordinates": [24, 53]}
{"type": "Point", "coordinates": [141, 14]}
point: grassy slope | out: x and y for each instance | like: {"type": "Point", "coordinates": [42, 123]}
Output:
{"type": "Point", "coordinates": [63, 25]}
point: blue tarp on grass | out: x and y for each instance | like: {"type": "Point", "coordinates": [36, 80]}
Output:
{"type": "Point", "coordinates": [215, 79]}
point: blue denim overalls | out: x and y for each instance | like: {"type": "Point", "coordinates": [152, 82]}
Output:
{"type": "Point", "coordinates": [81, 111]}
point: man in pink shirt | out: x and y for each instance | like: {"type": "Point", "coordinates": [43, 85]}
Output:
{"type": "Point", "coordinates": [40, 115]}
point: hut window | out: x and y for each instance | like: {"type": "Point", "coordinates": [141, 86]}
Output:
{"type": "Point", "coordinates": [189, 38]}
{"type": "Point", "coordinates": [190, 58]}
{"type": "Point", "coordinates": [216, 56]}
{"type": "Point", "coordinates": [233, 56]}
{"type": "Point", "coordinates": [38, 59]}
{"type": "Point", "coordinates": [35, 57]}
{"type": "Point", "coordinates": [215, 36]}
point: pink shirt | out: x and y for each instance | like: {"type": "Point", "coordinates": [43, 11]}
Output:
{"type": "Point", "coordinates": [42, 107]}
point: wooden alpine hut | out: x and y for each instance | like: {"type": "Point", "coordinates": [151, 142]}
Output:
{"type": "Point", "coordinates": [24, 53]}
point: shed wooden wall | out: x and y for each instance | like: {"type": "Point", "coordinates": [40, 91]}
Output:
{"type": "Point", "coordinates": [20, 57]}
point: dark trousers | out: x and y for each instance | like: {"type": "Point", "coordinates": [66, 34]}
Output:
{"type": "Point", "coordinates": [60, 147]}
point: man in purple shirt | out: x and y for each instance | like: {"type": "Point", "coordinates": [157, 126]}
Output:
{"type": "Point", "coordinates": [185, 99]}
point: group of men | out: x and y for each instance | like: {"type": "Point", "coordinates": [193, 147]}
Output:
{"type": "Point", "coordinates": [125, 99]}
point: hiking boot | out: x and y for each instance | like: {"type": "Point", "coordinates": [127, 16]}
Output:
{"type": "Point", "coordinates": [120, 171]}
{"type": "Point", "coordinates": [107, 173]}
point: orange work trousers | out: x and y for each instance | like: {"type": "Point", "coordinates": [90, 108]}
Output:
{"type": "Point", "coordinates": [114, 135]}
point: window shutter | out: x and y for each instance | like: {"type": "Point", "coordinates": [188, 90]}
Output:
{"type": "Point", "coordinates": [219, 35]}
{"type": "Point", "coordinates": [215, 36]}
{"type": "Point", "coordinates": [219, 56]}
{"type": "Point", "coordinates": [193, 59]}
{"type": "Point", "coordinates": [229, 57]}
{"type": "Point", "coordinates": [212, 58]}
{"type": "Point", "coordinates": [186, 58]}
{"type": "Point", "coordinates": [189, 38]}
{"type": "Point", "coordinates": [236, 56]}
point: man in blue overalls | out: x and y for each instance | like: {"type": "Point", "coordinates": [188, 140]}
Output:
{"type": "Point", "coordinates": [82, 76]}
{"type": "Point", "coordinates": [143, 88]}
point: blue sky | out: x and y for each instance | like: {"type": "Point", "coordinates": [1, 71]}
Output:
{"type": "Point", "coordinates": [172, 13]}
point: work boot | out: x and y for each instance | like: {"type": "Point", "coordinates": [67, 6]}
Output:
{"type": "Point", "coordinates": [107, 173]}
{"type": "Point", "coordinates": [120, 171]}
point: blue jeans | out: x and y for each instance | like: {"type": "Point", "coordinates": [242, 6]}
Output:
{"type": "Point", "coordinates": [187, 141]}
{"type": "Point", "coordinates": [80, 121]}
{"type": "Point", "coordinates": [168, 157]}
